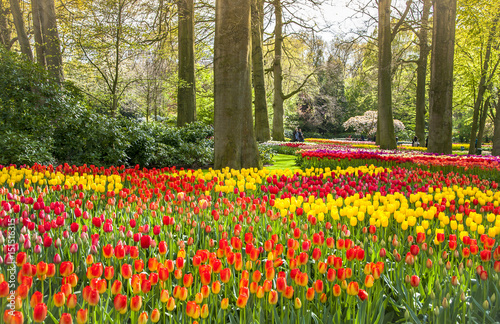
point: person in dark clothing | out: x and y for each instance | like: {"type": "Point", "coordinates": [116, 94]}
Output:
{"type": "Point", "coordinates": [300, 136]}
{"type": "Point", "coordinates": [294, 135]}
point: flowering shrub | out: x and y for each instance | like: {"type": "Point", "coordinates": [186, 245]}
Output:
{"type": "Point", "coordinates": [103, 245]}
{"type": "Point", "coordinates": [367, 124]}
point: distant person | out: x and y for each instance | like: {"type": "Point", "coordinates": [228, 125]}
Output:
{"type": "Point", "coordinates": [362, 138]}
{"type": "Point", "coordinates": [300, 136]}
{"type": "Point", "coordinates": [415, 142]}
{"type": "Point", "coordinates": [426, 141]}
{"type": "Point", "coordinates": [294, 135]}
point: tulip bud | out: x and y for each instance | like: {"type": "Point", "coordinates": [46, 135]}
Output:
{"type": "Point", "coordinates": [486, 304]}
{"type": "Point", "coordinates": [445, 303]}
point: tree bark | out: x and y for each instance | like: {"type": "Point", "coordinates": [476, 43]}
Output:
{"type": "Point", "coordinates": [482, 85]}
{"type": "Point", "coordinates": [385, 122]}
{"type": "Point", "coordinates": [262, 133]}
{"type": "Point", "coordinates": [235, 144]}
{"type": "Point", "coordinates": [52, 43]}
{"type": "Point", "coordinates": [496, 131]}
{"type": "Point", "coordinates": [482, 122]}
{"type": "Point", "coordinates": [278, 112]}
{"type": "Point", "coordinates": [5, 33]}
{"type": "Point", "coordinates": [37, 30]}
{"type": "Point", "coordinates": [22, 37]}
{"type": "Point", "coordinates": [186, 90]}
{"type": "Point", "coordinates": [441, 88]}
{"type": "Point", "coordinates": [422, 74]}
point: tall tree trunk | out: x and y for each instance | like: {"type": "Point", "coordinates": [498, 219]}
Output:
{"type": "Point", "coordinates": [116, 75]}
{"type": "Point", "coordinates": [261, 119]}
{"type": "Point", "coordinates": [53, 56]}
{"type": "Point", "coordinates": [496, 131]}
{"type": "Point", "coordinates": [235, 144]}
{"type": "Point", "coordinates": [186, 90]}
{"type": "Point", "coordinates": [5, 33]}
{"type": "Point", "coordinates": [22, 37]}
{"type": "Point", "coordinates": [482, 122]}
{"type": "Point", "coordinates": [441, 88]}
{"type": "Point", "coordinates": [482, 85]}
{"type": "Point", "coordinates": [422, 74]}
{"type": "Point", "coordinates": [37, 30]}
{"type": "Point", "coordinates": [278, 112]}
{"type": "Point", "coordinates": [385, 122]}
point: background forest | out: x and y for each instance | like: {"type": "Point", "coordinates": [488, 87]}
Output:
{"type": "Point", "coordinates": [107, 81]}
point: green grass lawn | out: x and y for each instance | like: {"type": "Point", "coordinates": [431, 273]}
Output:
{"type": "Point", "coordinates": [282, 161]}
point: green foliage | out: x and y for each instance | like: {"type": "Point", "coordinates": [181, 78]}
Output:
{"type": "Point", "coordinates": [32, 107]}
{"type": "Point", "coordinates": [266, 153]}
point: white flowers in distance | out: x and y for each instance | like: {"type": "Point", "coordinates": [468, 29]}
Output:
{"type": "Point", "coordinates": [367, 124]}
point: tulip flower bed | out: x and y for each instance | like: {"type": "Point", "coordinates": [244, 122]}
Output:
{"type": "Point", "coordinates": [483, 166]}
{"type": "Point", "coordinates": [353, 245]}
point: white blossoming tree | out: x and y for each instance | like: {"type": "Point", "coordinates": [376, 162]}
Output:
{"type": "Point", "coordinates": [367, 124]}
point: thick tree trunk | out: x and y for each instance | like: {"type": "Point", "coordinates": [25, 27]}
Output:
{"type": "Point", "coordinates": [385, 122]}
{"type": "Point", "coordinates": [422, 74]}
{"type": "Point", "coordinates": [52, 44]}
{"type": "Point", "coordinates": [482, 122]}
{"type": "Point", "coordinates": [482, 86]}
{"type": "Point", "coordinates": [235, 144]}
{"type": "Point", "coordinates": [37, 31]}
{"type": "Point", "coordinates": [22, 37]}
{"type": "Point", "coordinates": [278, 112]}
{"type": "Point", "coordinates": [496, 132]}
{"type": "Point", "coordinates": [441, 88]}
{"type": "Point", "coordinates": [186, 90]}
{"type": "Point", "coordinates": [261, 119]}
{"type": "Point", "coordinates": [5, 33]}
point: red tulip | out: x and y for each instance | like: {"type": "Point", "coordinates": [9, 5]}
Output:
{"type": "Point", "coordinates": [66, 319]}
{"type": "Point", "coordinates": [362, 294]}
{"type": "Point", "coordinates": [39, 313]}
{"type": "Point", "coordinates": [414, 281]}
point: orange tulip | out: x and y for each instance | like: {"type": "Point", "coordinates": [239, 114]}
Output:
{"type": "Point", "coordinates": [40, 313]}
{"type": "Point", "coordinates": [216, 286]}
{"type": "Point", "coordinates": [310, 294]}
{"type": "Point", "coordinates": [204, 311]}
{"type": "Point", "coordinates": [164, 296]}
{"type": "Point", "coordinates": [143, 318]}
{"type": "Point", "coordinates": [191, 308]}
{"type": "Point", "coordinates": [36, 298]}
{"type": "Point", "coordinates": [224, 303]}
{"type": "Point", "coordinates": [126, 271]}
{"type": "Point", "coordinates": [225, 275]}
{"type": "Point", "coordinates": [13, 317]}
{"type": "Point", "coordinates": [66, 319]}
{"type": "Point", "coordinates": [369, 280]}
{"type": "Point", "coordinates": [155, 315]}
{"type": "Point", "coordinates": [273, 297]}
{"type": "Point", "coordinates": [109, 272]}
{"type": "Point", "coordinates": [82, 316]}
{"type": "Point", "coordinates": [93, 297]}
{"type": "Point", "coordinates": [353, 288]}
{"type": "Point", "coordinates": [120, 303]}
{"type": "Point", "coordinates": [241, 302]}
{"type": "Point", "coordinates": [337, 290]}
{"type": "Point", "coordinates": [187, 280]}
{"type": "Point", "coordinates": [59, 299]}
{"type": "Point", "coordinates": [66, 268]}
{"type": "Point", "coordinates": [288, 292]}
{"type": "Point", "coordinates": [136, 303]}
{"type": "Point", "coordinates": [171, 304]}
{"type": "Point", "coordinates": [205, 291]}
{"type": "Point", "coordinates": [116, 287]}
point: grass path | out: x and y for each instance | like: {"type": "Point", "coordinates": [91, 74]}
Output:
{"type": "Point", "coordinates": [282, 161]}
